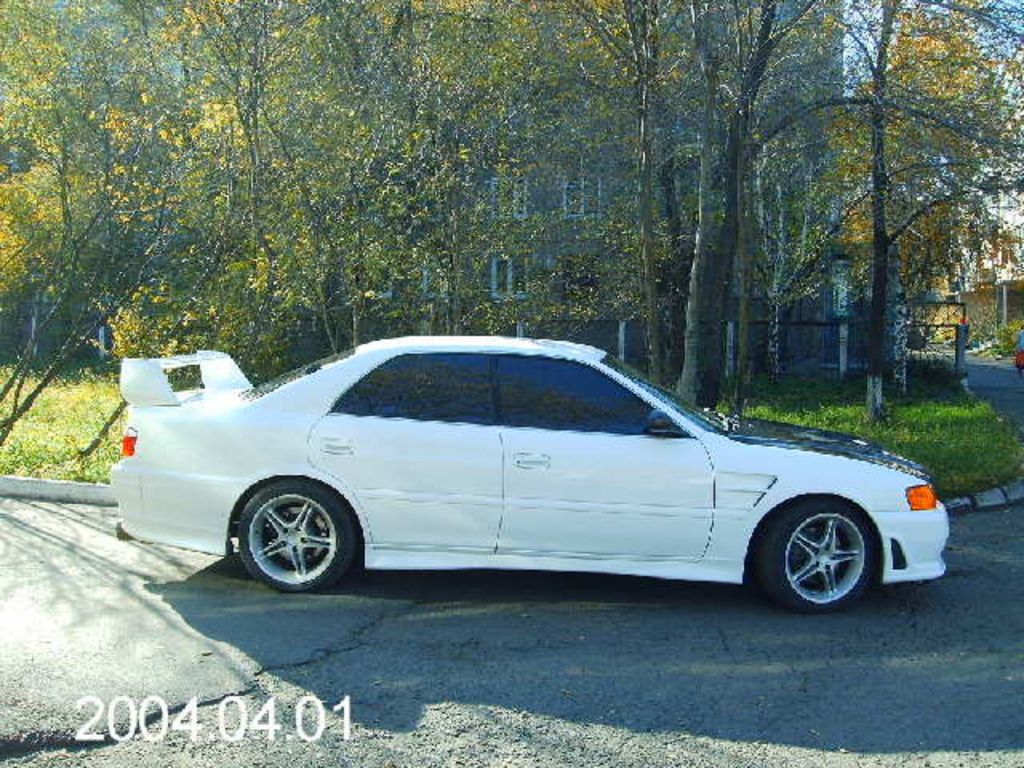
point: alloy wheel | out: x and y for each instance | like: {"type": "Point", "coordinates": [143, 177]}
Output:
{"type": "Point", "coordinates": [292, 539]}
{"type": "Point", "coordinates": [825, 558]}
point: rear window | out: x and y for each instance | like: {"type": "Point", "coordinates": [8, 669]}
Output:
{"type": "Point", "coordinates": [296, 373]}
{"type": "Point", "coordinates": [452, 387]}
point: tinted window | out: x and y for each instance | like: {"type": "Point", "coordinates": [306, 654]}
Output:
{"type": "Point", "coordinates": [560, 394]}
{"type": "Point", "coordinates": [707, 418]}
{"type": "Point", "coordinates": [432, 387]}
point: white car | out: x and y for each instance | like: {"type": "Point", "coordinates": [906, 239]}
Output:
{"type": "Point", "coordinates": [481, 452]}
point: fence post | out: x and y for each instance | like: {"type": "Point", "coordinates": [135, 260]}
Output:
{"type": "Point", "coordinates": [730, 348]}
{"type": "Point", "coordinates": [960, 356]}
{"type": "Point", "coordinates": [844, 349]}
{"type": "Point", "coordinates": [622, 340]}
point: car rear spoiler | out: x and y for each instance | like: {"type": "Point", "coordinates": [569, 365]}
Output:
{"type": "Point", "coordinates": [144, 380]}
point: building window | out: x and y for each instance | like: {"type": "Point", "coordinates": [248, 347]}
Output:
{"type": "Point", "coordinates": [581, 196]}
{"type": "Point", "coordinates": [520, 208]}
{"type": "Point", "coordinates": [508, 197]}
{"type": "Point", "coordinates": [509, 278]}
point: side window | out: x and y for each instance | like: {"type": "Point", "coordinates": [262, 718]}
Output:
{"type": "Point", "coordinates": [546, 393]}
{"type": "Point", "coordinates": [427, 387]}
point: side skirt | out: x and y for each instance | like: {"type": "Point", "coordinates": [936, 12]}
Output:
{"type": "Point", "coordinates": [706, 569]}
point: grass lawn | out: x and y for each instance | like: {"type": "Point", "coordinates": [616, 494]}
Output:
{"type": "Point", "coordinates": [962, 441]}
{"type": "Point", "coordinates": [64, 420]}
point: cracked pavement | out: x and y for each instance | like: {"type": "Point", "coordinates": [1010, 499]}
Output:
{"type": "Point", "coordinates": [506, 669]}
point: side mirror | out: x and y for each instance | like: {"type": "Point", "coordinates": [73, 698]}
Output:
{"type": "Point", "coordinates": [660, 425]}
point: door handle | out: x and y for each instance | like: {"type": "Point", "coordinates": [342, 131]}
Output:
{"type": "Point", "coordinates": [337, 446]}
{"type": "Point", "coordinates": [532, 461]}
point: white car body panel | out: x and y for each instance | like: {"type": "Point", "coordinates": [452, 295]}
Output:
{"type": "Point", "coordinates": [435, 496]}
{"type": "Point", "coordinates": [402, 474]}
{"type": "Point", "coordinates": [566, 494]}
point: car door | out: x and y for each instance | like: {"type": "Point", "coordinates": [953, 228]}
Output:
{"type": "Point", "coordinates": [583, 479]}
{"type": "Point", "coordinates": [416, 439]}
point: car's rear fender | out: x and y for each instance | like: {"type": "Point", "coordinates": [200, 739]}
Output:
{"type": "Point", "coordinates": [304, 472]}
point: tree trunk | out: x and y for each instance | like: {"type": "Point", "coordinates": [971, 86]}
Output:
{"type": "Point", "coordinates": [774, 347]}
{"type": "Point", "coordinates": [716, 296]}
{"type": "Point", "coordinates": [898, 317]}
{"type": "Point", "coordinates": [652, 315]}
{"type": "Point", "coordinates": [642, 20]}
{"type": "Point", "coordinates": [742, 262]}
{"type": "Point", "coordinates": [880, 235]}
{"type": "Point", "coordinates": [676, 273]}
{"type": "Point", "coordinates": [703, 273]}
{"type": "Point", "coordinates": [701, 381]}
{"type": "Point", "coordinates": [356, 283]}
{"type": "Point", "coordinates": [778, 252]}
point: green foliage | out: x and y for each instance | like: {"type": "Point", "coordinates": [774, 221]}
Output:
{"type": "Point", "coordinates": [312, 213]}
{"type": "Point", "coordinates": [283, 179]}
{"type": "Point", "coordinates": [66, 418]}
{"type": "Point", "coordinates": [961, 440]}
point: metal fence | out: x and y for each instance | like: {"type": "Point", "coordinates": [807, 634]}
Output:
{"type": "Point", "coordinates": [839, 347]}
{"type": "Point", "coordinates": [834, 348]}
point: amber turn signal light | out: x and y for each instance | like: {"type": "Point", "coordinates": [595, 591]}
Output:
{"type": "Point", "coordinates": [128, 443]}
{"type": "Point", "coordinates": [922, 497]}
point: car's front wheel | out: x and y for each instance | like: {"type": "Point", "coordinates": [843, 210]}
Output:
{"type": "Point", "coordinates": [817, 556]}
{"type": "Point", "coordinates": [296, 536]}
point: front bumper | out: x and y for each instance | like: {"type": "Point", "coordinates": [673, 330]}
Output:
{"type": "Point", "coordinates": [920, 537]}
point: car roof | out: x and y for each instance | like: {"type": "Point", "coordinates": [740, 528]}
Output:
{"type": "Point", "coordinates": [493, 344]}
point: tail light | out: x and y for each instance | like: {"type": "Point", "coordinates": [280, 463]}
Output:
{"type": "Point", "coordinates": [131, 437]}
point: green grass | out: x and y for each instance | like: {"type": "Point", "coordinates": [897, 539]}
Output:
{"type": "Point", "coordinates": [961, 440]}
{"type": "Point", "coordinates": [63, 421]}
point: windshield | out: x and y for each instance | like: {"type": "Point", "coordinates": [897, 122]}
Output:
{"type": "Point", "coordinates": [708, 419]}
{"type": "Point", "coordinates": [296, 373]}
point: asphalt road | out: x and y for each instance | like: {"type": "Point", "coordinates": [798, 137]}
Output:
{"type": "Point", "coordinates": [506, 669]}
{"type": "Point", "coordinates": [998, 382]}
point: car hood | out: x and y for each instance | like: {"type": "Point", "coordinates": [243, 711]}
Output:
{"type": "Point", "coordinates": [794, 437]}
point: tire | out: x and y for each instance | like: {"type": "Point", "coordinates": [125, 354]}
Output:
{"type": "Point", "coordinates": [297, 536]}
{"type": "Point", "coordinates": [817, 556]}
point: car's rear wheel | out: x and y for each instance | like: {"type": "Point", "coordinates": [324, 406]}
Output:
{"type": "Point", "coordinates": [817, 556]}
{"type": "Point", "coordinates": [297, 536]}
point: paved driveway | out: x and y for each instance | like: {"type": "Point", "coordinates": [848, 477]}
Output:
{"type": "Point", "coordinates": [508, 669]}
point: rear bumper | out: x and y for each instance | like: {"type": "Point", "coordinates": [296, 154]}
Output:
{"type": "Point", "coordinates": [188, 511]}
{"type": "Point", "coordinates": [921, 538]}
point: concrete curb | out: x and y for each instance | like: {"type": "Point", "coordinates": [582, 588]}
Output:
{"type": "Point", "coordinates": [1014, 491]}
{"type": "Point", "coordinates": [959, 505]}
{"type": "Point", "coordinates": [993, 498]}
{"type": "Point", "coordinates": [60, 491]}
